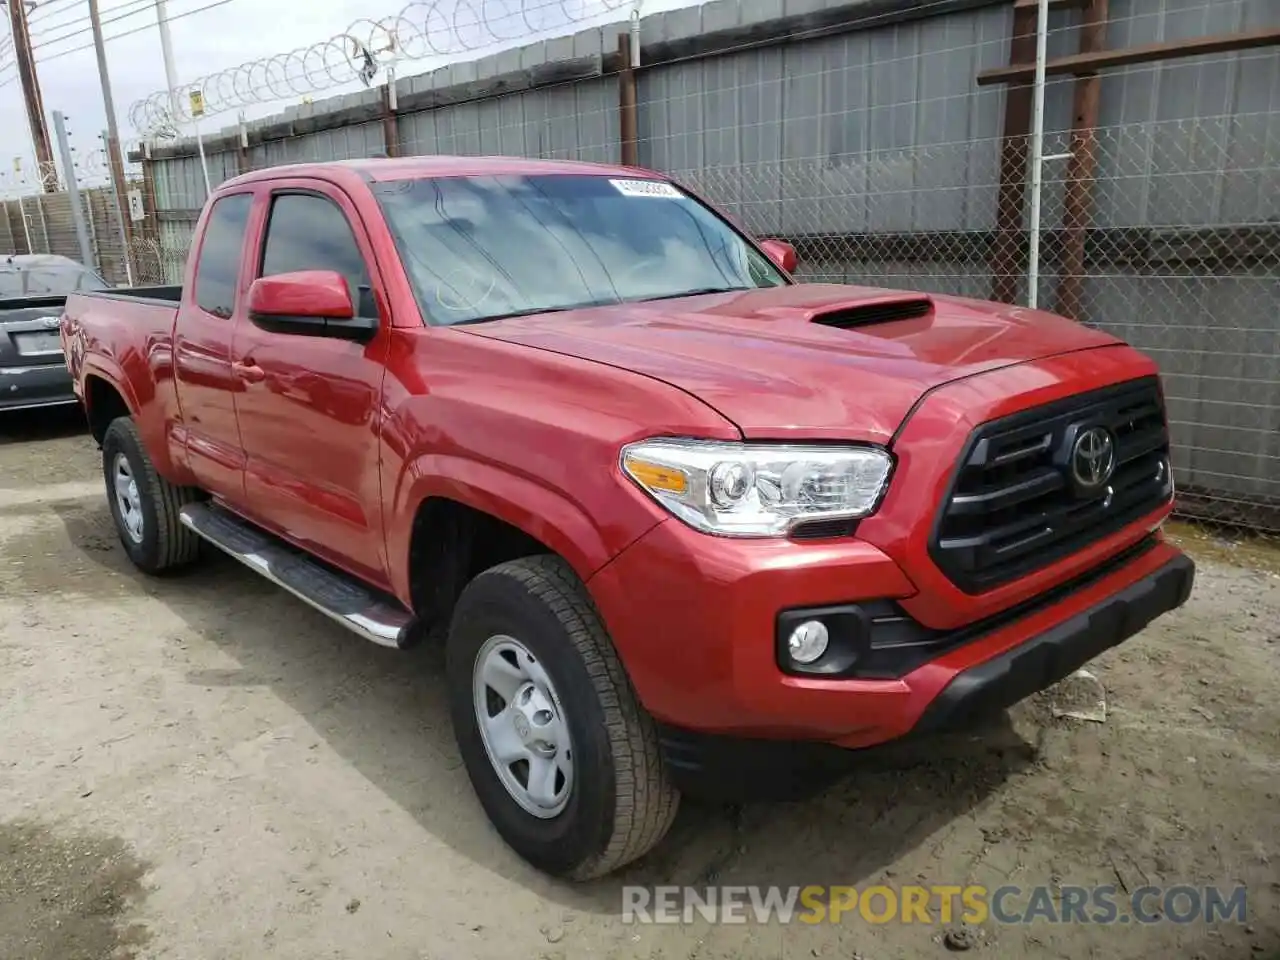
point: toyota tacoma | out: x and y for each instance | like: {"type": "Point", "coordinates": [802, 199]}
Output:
{"type": "Point", "coordinates": [681, 521]}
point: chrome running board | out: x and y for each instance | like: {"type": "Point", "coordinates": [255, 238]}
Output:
{"type": "Point", "coordinates": [362, 610]}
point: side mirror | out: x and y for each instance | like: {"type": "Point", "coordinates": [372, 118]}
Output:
{"type": "Point", "coordinates": [781, 253]}
{"type": "Point", "coordinates": [308, 302]}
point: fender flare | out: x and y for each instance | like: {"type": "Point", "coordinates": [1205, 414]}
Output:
{"type": "Point", "coordinates": [154, 431]}
{"type": "Point", "coordinates": [113, 376]}
{"type": "Point", "coordinates": [110, 374]}
{"type": "Point", "coordinates": [537, 510]}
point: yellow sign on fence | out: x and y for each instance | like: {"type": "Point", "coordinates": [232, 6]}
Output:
{"type": "Point", "coordinates": [197, 103]}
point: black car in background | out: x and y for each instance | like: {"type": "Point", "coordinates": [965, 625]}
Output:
{"type": "Point", "coordinates": [33, 291]}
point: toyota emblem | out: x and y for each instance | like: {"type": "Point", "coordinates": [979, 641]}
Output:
{"type": "Point", "coordinates": [50, 323]}
{"type": "Point", "coordinates": [1093, 458]}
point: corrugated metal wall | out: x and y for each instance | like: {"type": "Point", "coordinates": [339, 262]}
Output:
{"type": "Point", "coordinates": [578, 122]}
{"type": "Point", "coordinates": [848, 139]}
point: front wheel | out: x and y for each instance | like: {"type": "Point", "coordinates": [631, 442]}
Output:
{"type": "Point", "coordinates": [563, 758]}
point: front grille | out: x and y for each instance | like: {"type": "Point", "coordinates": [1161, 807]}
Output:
{"type": "Point", "coordinates": [1016, 505]}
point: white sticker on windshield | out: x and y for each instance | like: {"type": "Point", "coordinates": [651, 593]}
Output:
{"type": "Point", "coordinates": [646, 188]}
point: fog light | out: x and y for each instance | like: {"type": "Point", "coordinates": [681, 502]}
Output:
{"type": "Point", "coordinates": [808, 641]}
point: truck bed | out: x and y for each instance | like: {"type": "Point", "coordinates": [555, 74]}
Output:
{"type": "Point", "coordinates": [165, 295]}
{"type": "Point", "coordinates": [119, 323]}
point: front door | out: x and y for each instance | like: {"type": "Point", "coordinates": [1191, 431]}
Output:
{"type": "Point", "coordinates": [309, 410]}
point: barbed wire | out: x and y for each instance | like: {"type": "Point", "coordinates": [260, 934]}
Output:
{"type": "Point", "coordinates": [421, 29]}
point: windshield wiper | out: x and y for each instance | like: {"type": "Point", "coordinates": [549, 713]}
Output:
{"type": "Point", "coordinates": [530, 311]}
{"type": "Point", "coordinates": [697, 292]}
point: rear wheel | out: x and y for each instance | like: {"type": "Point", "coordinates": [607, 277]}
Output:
{"type": "Point", "coordinates": [144, 505]}
{"type": "Point", "coordinates": [561, 755]}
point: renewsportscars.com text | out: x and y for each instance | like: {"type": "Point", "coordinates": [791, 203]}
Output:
{"type": "Point", "coordinates": [971, 904]}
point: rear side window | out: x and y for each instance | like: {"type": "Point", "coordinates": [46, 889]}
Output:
{"type": "Point", "coordinates": [218, 269]}
{"type": "Point", "coordinates": [307, 232]}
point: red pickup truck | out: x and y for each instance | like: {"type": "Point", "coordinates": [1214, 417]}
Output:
{"type": "Point", "coordinates": [684, 522]}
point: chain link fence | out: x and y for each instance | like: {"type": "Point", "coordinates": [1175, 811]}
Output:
{"type": "Point", "coordinates": [1178, 253]}
{"type": "Point", "coordinates": [45, 222]}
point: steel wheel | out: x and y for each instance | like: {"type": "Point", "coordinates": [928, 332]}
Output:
{"type": "Point", "coordinates": [127, 498]}
{"type": "Point", "coordinates": [523, 726]}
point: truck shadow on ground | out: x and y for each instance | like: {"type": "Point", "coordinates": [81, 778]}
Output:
{"type": "Point", "coordinates": [385, 713]}
{"type": "Point", "coordinates": [47, 423]}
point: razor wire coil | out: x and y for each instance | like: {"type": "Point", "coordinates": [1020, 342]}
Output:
{"type": "Point", "coordinates": [418, 31]}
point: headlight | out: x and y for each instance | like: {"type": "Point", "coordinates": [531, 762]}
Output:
{"type": "Point", "coordinates": [757, 490]}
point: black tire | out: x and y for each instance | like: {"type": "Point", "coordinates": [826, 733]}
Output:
{"type": "Point", "coordinates": [621, 803]}
{"type": "Point", "coordinates": [165, 543]}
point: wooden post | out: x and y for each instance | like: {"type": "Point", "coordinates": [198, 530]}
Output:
{"type": "Point", "coordinates": [628, 133]}
{"type": "Point", "coordinates": [1078, 203]}
{"type": "Point", "coordinates": [149, 206]}
{"type": "Point", "coordinates": [1008, 259]}
{"type": "Point", "coordinates": [242, 147]}
{"type": "Point", "coordinates": [31, 96]}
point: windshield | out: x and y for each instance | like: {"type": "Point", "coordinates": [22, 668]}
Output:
{"type": "Point", "coordinates": [479, 248]}
{"type": "Point", "coordinates": [44, 280]}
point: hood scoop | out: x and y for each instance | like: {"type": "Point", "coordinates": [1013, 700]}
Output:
{"type": "Point", "coordinates": [875, 311]}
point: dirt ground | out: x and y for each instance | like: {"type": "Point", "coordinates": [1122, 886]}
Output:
{"type": "Point", "coordinates": [202, 767]}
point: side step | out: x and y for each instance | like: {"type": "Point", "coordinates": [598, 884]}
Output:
{"type": "Point", "coordinates": [360, 609]}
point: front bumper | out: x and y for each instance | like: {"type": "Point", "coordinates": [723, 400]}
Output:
{"type": "Point", "coordinates": [949, 695]}
{"type": "Point", "coordinates": [693, 618]}
{"type": "Point", "coordinates": [41, 385]}
{"type": "Point", "coordinates": [1045, 658]}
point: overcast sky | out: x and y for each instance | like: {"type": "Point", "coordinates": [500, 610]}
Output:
{"type": "Point", "coordinates": [207, 40]}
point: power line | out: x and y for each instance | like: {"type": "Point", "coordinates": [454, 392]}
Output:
{"type": "Point", "coordinates": [75, 18]}
{"type": "Point", "coordinates": [49, 6]}
{"type": "Point", "coordinates": [126, 33]}
{"type": "Point", "coordinates": [142, 6]}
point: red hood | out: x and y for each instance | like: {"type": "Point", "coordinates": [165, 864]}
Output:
{"type": "Point", "coordinates": [757, 357]}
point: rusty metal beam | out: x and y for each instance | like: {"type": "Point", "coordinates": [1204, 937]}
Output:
{"type": "Point", "coordinates": [1083, 63]}
{"type": "Point", "coordinates": [628, 123]}
{"type": "Point", "coordinates": [1008, 256]}
{"type": "Point", "coordinates": [390, 129]}
{"type": "Point", "coordinates": [1077, 208]}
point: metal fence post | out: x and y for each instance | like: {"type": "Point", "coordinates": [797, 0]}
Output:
{"type": "Point", "coordinates": [73, 191]}
{"type": "Point", "coordinates": [44, 222]}
{"type": "Point", "coordinates": [26, 227]}
{"type": "Point", "coordinates": [1037, 155]}
{"type": "Point", "coordinates": [98, 258]}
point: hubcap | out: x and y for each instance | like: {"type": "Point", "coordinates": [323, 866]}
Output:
{"type": "Point", "coordinates": [523, 726]}
{"type": "Point", "coordinates": [127, 500]}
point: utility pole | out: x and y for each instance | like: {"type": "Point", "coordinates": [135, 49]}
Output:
{"type": "Point", "coordinates": [45, 168]}
{"type": "Point", "coordinates": [171, 79]}
{"type": "Point", "coordinates": [114, 159]}
{"type": "Point", "coordinates": [166, 50]}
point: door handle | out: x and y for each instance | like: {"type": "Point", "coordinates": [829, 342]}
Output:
{"type": "Point", "coordinates": [248, 372]}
